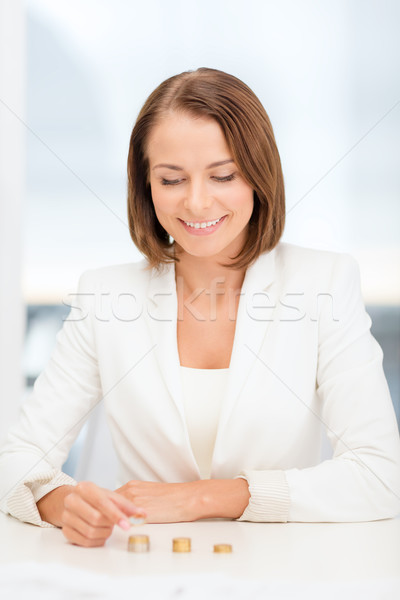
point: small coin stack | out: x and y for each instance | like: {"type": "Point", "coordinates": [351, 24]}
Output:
{"type": "Point", "coordinates": [181, 544]}
{"type": "Point", "coordinates": [222, 548]}
{"type": "Point", "coordinates": [138, 543]}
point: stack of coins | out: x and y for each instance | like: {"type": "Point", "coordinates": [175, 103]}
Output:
{"type": "Point", "coordinates": [222, 548]}
{"type": "Point", "coordinates": [181, 545]}
{"type": "Point", "coordinates": [138, 543]}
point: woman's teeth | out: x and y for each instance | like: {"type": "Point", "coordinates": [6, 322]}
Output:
{"type": "Point", "coordinates": [202, 225]}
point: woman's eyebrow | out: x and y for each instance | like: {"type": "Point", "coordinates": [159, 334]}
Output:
{"type": "Point", "coordinates": [176, 168]}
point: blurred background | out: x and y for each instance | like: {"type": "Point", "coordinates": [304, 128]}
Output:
{"type": "Point", "coordinates": [73, 76]}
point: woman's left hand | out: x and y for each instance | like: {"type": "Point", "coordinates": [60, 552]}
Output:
{"type": "Point", "coordinates": [180, 502]}
{"type": "Point", "coordinates": [163, 502]}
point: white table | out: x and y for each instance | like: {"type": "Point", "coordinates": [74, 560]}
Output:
{"type": "Point", "coordinates": [366, 554]}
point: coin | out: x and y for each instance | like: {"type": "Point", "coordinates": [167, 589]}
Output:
{"type": "Point", "coordinates": [222, 548]}
{"type": "Point", "coordinates": [137, 520]}
{"type": "Point", "coordinates": [181, 545]}
{"type": "Point", "coordinates": [138, 543]}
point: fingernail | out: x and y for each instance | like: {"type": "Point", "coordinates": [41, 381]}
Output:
{"type": "Point", "coordinates": [123, 523]}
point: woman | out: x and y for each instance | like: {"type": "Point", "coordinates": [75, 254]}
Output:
{"type": "Point", "coordinates": [220, 357]}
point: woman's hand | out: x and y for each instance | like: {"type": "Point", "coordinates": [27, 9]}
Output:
{"type": "Point", "coordinates": [87, 513]}
{"type": "Point", "coordinates": [163, 502]}
{"type": "Point", "coordinates": [177, 502]}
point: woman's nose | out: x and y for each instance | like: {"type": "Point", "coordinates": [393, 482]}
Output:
{"type": "Point", "coordinates": [197, 199]}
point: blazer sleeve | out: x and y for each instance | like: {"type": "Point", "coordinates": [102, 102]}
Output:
{"type": "Point", "coordinates": [63, 396]}
{"type": "Point", "coordinates": [361, 482]}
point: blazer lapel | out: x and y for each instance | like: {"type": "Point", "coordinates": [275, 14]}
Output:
{"type": "Point", "coordinates": [255, 312]}
{"type": "Point", "coordinates": [162, 311]}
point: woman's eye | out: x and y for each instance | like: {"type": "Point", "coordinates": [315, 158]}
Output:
{"type": "Point", "coordinates": [169, 181]}
{"type": "Point", "coordinates": [227, 178]}
{"type": "Point", "coordinates": [218, 179]}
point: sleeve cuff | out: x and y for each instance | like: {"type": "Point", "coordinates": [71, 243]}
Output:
{"type": "Point", "coordinates": [269, 496]}
{"type": "Point", "coordinates": [22, 502]}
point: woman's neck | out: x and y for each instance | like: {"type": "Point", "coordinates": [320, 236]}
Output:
{"type": "Point", "coordinates": [194, 273]}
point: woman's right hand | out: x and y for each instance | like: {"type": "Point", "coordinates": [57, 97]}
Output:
{"type": "Point", "coordinates": [86, 512]}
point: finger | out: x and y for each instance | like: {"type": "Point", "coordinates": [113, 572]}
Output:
{"type": "Point", "coordinates": [84, 528]}
{"type": "Point", "coordinates": [77, 538]}
{"type": "Point", "coordinates": [111, 505]}
{"type": "Point", "coordinates": [77, 505]}
{"type": "Point", "coordinates": [126, 505]}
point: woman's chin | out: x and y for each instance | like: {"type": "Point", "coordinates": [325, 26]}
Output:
{"type": "Point", "coordinates": [197, 249]}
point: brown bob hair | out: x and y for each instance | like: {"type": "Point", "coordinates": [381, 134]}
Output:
{"type": "Point", "coordinates": [210, 93]}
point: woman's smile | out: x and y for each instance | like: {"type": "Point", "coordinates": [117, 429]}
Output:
{"type": "Point", "coordinates": [202, 227]}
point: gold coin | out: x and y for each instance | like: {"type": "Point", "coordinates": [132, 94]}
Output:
{"type": "Point", "coordinates": [222, 548]}
{"type": "Point", "coordinates": [138, 543]}
{"type": "Point", "coordinates": [181, 545]}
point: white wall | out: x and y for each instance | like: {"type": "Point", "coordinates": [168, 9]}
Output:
{"type": "Point", "coordinates": [12, 309]}
{"type": "Point", "coordinates": [326, 73]}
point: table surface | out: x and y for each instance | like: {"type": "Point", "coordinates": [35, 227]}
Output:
{"type": "Point", "coordinates": [291, 551]}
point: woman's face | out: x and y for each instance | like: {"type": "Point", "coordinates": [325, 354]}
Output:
{"type": "Point", "coordinates": [199, 196]}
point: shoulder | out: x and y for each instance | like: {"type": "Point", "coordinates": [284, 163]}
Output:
{"type": "Point", "coordinates": [323, 278]}
{"type": "Point", "coordinates": [123, 275]}
{"type": "Point", "coordinates": [301, 256]}
{"type": "Point", "coordinates": [298, 262]}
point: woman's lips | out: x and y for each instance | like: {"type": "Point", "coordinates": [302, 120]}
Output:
{"type": "Point", "coordinates": [203, 230]}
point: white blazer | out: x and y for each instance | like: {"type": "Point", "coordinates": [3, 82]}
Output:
{"type": "Point", "coordinates": [303, 361]}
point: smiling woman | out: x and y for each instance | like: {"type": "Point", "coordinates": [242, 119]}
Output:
{"type": "Point", "coordinates": [218, 392]}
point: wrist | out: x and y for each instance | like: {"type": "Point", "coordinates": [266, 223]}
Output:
{"type": "Point", "coordinates": [222, 498]}
{"type": "Point", "coordinates": [51, 506]}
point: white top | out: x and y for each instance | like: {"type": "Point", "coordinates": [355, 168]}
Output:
{"type": "Point", "coordinates": [203, 391]}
